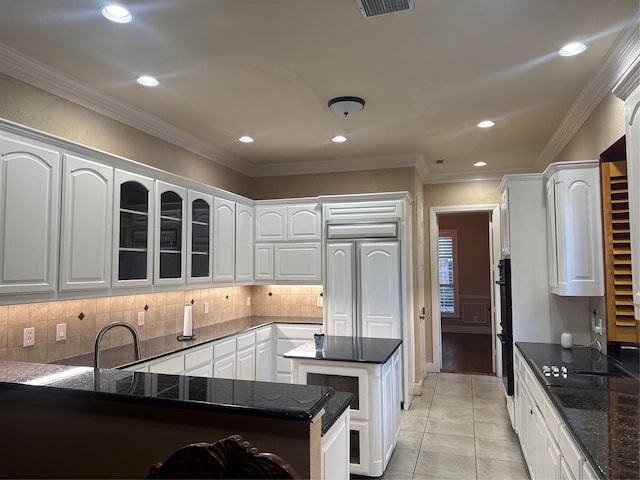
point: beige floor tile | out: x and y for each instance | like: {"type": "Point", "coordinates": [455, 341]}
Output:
{"type": "Point", "coordinates": [446, 465]}
{"type": "Point", "coordinates": [409, 440]}
{"type": "Point", "coordinates": [402, 460]}
{"type": "Point", "coordinates": [496, 403]}
{"type": "Point", "coordinates": [449, 427]}
{"type": "Point", "coordinates": [495, 431]}
{"type": "Point", "coordinates": [454, 377]}
{"type": "Point", "coordinates": [453, 389]}
{"type": "Point", "coordinates": [486, 379]}
{"type": "Point", "coordinates": [412, 423]}
{"type": "Point", "coordinates": [488, 394]}
{"type": "Point", "coordinates": [417, 476]}
{"type": "Point", "coordinates": [418, 409]}
{"type": "Point", "coordinates": [498, 470]}
{"type": "Point", "coordinates": [497, 450]}
{"type": "Point", "coordinates": [453, 444]}
{"type": "Point", "coordinates": [491, 415]}
{"type": "Point", "coordinates": [452, 412]}
{"type": "Point", "coordinates": [456, 400]}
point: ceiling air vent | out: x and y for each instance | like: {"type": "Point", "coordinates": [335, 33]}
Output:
{"type": "Point", "coordinates": [374, 8]}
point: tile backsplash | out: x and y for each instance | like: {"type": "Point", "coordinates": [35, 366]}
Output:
{"type": "Point", "coordinates": [163, 316]}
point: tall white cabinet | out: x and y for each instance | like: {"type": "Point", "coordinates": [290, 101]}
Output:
{"type": "Point", "coordinates": [628, 89]}
{"type": "Point", "coordinates": [224, 240]}
{"type": "Point", "coordinates": [29, 209]}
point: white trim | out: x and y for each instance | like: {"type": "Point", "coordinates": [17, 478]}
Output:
{"type": "Point", "coordinates": [436, 364]}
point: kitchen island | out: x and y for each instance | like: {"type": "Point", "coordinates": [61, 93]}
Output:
{"type": "Point", "coordinates": [63, 421]}
{"type": "Point", "coordinates": [589, 406]}
{"type": "Point", "coordinates": [369, 368]}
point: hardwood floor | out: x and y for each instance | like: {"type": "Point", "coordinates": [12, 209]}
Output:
{"type": "Point", "coordinates": [466, 353]}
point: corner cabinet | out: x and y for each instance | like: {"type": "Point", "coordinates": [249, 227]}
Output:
{"type": "Point", "coordinates": [133, 230]}
{"type": "Point", "coordinates": [574, 229]}
{"type": "Point", "coordinates": [628, 89]}
{"type": "Point", "coordinates": [87, 213]}
{"type": "Point", "coordinates": [29, 210]}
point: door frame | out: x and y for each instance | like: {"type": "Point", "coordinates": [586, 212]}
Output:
{"type": "Point", "coordinates": [494, 255]}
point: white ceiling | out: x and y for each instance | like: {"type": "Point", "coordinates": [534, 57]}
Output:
{"type": "Point", "coordinates": [267, 68]}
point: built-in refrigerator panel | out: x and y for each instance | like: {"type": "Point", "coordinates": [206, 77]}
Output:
{"type": "Point", "coordinates": [340, 289]}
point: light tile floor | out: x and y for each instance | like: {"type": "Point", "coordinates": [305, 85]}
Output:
{"type": "Point", "coordinates": [459, 428]}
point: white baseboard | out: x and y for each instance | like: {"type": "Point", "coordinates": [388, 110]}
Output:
{"type": "Point", "coordinates": [416, 388]}
{"type": "Point", "coordinates": [432, 367]}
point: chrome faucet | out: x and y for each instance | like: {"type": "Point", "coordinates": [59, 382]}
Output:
{"type": "Point", "coordinates": [105, 329]}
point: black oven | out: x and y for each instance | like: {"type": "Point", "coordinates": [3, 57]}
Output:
{"type": "Point", "coordinates": [506, 324]}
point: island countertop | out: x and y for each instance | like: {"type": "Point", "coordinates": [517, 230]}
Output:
{"type": "Point", "coordinates": [349, 349]}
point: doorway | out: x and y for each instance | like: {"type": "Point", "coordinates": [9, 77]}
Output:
{"type": "Point", "coordinates": [463, 294]}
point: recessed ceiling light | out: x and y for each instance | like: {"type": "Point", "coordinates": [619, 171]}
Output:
{"type": "Point", "coordinates": [480, 164]}
{"type": "Point", "coordinates": [116, 13]}
{"type": "Point", "coordinates": [486, 124]}
{"type": "Point", "coordinates": [245, 139]}
{"type": "Point", "coordinates": [573, 48]}
{"type": "Point", "coordinates": [148, 81]}
{"type": "Point", "coordinates": [339, 139]}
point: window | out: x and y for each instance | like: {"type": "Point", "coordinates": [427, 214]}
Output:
{"type": "Point", "coordinates": [448, 272]}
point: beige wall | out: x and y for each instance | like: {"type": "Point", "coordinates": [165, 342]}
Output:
{"type": "Point", "coordinates": [368, 181]}
{"type": "Point", "coordinates": [604, 127]}
{"type": "Point", "coordinates": [35, 108]}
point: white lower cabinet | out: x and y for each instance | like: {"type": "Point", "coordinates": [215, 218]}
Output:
{"type": "Point", "coordinates": [265, 356]}
{"type": "Point", "coordinates": [246, 356]}
{"type": "Point", "coordinates": [288, 337]}
{"type": "Point", "coordinates": [335, 449]}
{"type": "Point", "coordinates": [171, 365]}
{"type": "Point", "coordinates": [548, 447]}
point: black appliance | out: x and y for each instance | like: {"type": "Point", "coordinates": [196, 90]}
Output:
{"type": "Point", "coordinates": [506, 324]}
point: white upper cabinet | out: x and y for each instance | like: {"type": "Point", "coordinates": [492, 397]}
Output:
{"type": "Point", "coordinates": [271, 223]}
{"type": "Point", "coordinates": [264, 261]}
{"type": "Point", "coordinates": [199, 237]}
{"type": "Point", "coordinates": [87, 215]}
{"type": "Point", "coordinates": [340, 285]}
{"type": "Point", "coordinates": [224, 240]}
{"type": "Point", "coordinates": [244, 243]}
{"type": "Point", "coordinates": [29, 212]}
{"type": "Point", "coordinates": [575, 229]}
{"type": "Point", "coordinates": [628, 90]}
{"type": "Point", "coordinates": [298, 261]}
{"type": "Point", "coordinates": [171, 234]}
{"type": "Point", "coordinates": [304, 222]}
{"type": "Point", "coordinates": [132, 230]}
{"type": "Point", "coordinates": [505, 240]}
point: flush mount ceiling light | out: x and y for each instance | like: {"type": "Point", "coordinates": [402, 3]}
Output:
{"type": "Point", "coordinates": [116, 13]}
{"type": "Point", "coordinates": [245, 139]}
{"type": "Point", "coordinates": [573, 48]}
{"type": "Point", "coordinates": [345, 106]}
{"type": "Point", "coordinates": [339, 139]}
{"type": "Point", "coordinates": [486, 124]}
{"type": "Point", "coordinates": [148, 81]}
{"type": "Point", "coordinates": [480, 164]}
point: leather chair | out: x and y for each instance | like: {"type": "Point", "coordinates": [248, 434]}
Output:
{"type": "Point", "coordinates": [230, 457]}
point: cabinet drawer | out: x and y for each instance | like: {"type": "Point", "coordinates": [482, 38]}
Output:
{"type": "Point", "coordinates": [198, 357]}
{"type": "Point", "coordinates": [224, 347]}
{"type": "Point", "coordinates": [300, 332]}
{"type": "Point", "coordinates": [245, 340]}
{"type": "Point", "coordinates": [263, 334]}
{"type": "Point", "coordinates": [172, 365]}
{"type": "Point", "coordinates": [570, 451]}
{"type": "Point", "coordinates": [363, 210]}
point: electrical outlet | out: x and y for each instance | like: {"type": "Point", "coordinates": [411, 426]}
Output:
{"type": "Point", "coordinates": [319, 301]}
{"type": "Point", "coordinates": [205, 308]}
{"type": "Point", "coordinates": [61, 332]}
{"type": "Point", "coordinates": [597, 329]}
{"type": "Point", "coordinates": [141, 318]}
{"type": "Point", "coordinates": [29, 337]}
{"type": "Point", "coordinates": [248, 301]}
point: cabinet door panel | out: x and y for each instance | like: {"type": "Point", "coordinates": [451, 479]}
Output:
{"type": "Point", "coordinates": [271, 223]}
{"type": "Point", "coordinates": [298, 261]}
{"type": "Point", "coordinates": [246, 364]}
{"type": "Point", "coordinates": [264, 261]}
{"type": "Point", "coordinates": [224, 239]}
{"type": "Point", "coordinates": [87, 222]}
{"type": "Point", "coordinates": [380, 290]}
{"type": "Point", "coordinates": [199, 237]}
{"type": "Point", "coordinates": [171, 234]}
{"type": "Point", "coordinates": [29, 209]}
{"type": "Point", "coordinates": [340, 289]}
{"type": "Point", "coordinates": [244, 243]}
{"type": "Point", "coordinates": [304, 222]}
{"type": "Point", "coordinates": [264, 361]}
{"type": "Point", "coordinates": [132, 230]}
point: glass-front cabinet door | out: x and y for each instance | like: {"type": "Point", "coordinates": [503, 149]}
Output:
{"type": "Point", "coordinates": [169, 267]}
{"type": "Point", "coordinates": [132, 229]}
{"type": "Point", "coordinates": [199, 237]}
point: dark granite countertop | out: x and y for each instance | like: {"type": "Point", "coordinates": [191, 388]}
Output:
{"type": "Point", "coordinates": [265, 399]}
{"type": "Point", "coordinates": [334, 408]}
{"type": "Point", "coordinates": [159, 346]}
{"type": "Point", "coordinates": [602, 413]}
{"type": "Point", "coordinates": [349, 349]}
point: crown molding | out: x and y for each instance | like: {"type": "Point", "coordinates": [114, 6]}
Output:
{"type": "Point", "coordinates": [629, 81]}
{"type": "Point", "coordinates": [33, 72]}
{"type": "Point", "coordinates": [437, 178]}
{"type": "Point", "coordinates": [621, 55]}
